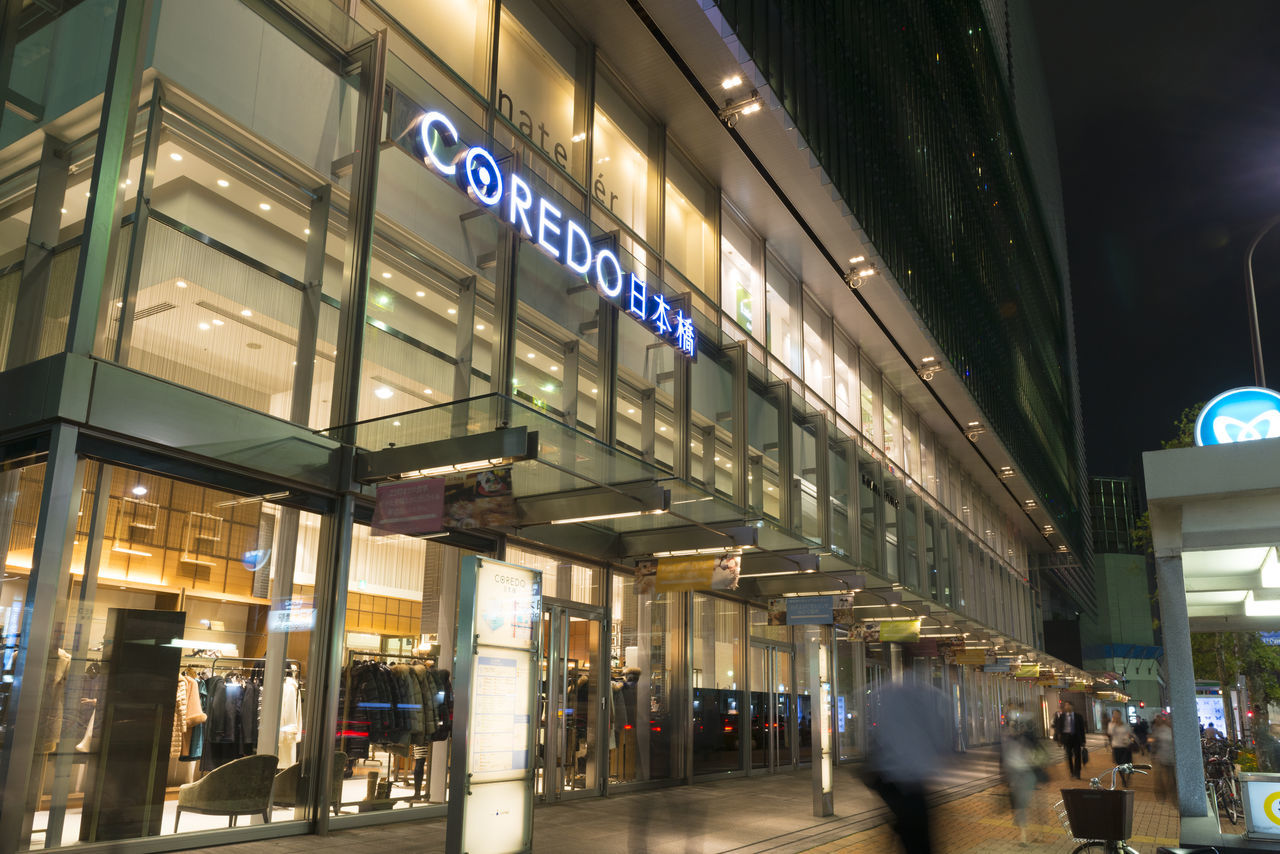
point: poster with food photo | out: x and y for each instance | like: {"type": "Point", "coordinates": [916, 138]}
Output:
{"type": "Point", "coordinates": [479, 499]}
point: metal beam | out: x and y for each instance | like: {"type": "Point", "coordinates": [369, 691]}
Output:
{"type": "Point", "coordinates": [510, 443]}
{"type": "Point", "coordinates": [42, 236]}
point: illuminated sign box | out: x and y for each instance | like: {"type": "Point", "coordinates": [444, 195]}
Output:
{"type": "Point", "coordinates": [1261, 796]}
{"type": "Point", "coordinates": [1239, 415]}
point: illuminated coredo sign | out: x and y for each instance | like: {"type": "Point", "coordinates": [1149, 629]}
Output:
{"type": "Point", "coordinates": [538, 220]}
{"type": "Point", "coordinates": [1239, 415]}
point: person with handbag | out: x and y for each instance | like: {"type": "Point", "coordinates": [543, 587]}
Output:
{"type": "Point", "coordinates": [1069, 726]}
{"type": "Point", "coordinates": [1120, 734]}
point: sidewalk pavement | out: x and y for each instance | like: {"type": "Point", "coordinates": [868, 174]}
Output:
{"type": "Point", "coordinates": [771, 813]}
{"type": "Point", "coordinates": [982, 823]}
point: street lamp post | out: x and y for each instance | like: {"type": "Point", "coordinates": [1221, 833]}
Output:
{"type": "Point", "coordinates": [1255, 337]}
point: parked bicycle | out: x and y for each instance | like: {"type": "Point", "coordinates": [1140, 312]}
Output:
{"type": "Point", "coordinates": [1221, 782]}
{"type": "Point", "coordinates": [1100, 818]}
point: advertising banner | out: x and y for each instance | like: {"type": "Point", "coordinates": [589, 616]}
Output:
{"type": "Point", "coordinates": [1028, 671]}
{"type": "Point", "coordinates": [971, 656]}
{"type": "Point", "coordinates": [900, 630]}
{"type": "Point", "coordinates": [429, 505]}
{"type": "Point", "coordinates": [698, 572]}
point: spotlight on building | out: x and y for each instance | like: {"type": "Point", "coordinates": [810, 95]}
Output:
{"type": "Point", "coordinates": [734, 110]}
{"type": "Point", "coordinates": [857, 275]}
{"type": "Point", "coordinates": [929, 368]}
{"type": "Point", "coordinates": [974, 430]}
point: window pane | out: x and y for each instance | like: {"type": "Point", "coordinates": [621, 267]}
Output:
{"type": "Point", "coordinates": [782, 296]}
{"type": "Point", "coordinates": [623, 146]}
{"type": "Point", "coordinates": [690, 238]}
{"type": "Point", "coordinates": [743, 296]}
{"type": "Point", "coordinates": [643, 743]}
{"type": "Point", "coordinates": [817, 348]}
{"type": "Point", "coordinates": [870, 403]}
{"type": "Point", "coordinates": [846, 379]}
{"type": "Point", "coordinates": [457, 31]}
{"type": "Point", "coordinates": [892, 446]}
{"type": "Point", "coordinates": [537, 65]}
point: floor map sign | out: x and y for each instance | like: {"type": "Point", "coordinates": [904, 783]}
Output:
{"type": "Point", "coordinates": [494, 724]}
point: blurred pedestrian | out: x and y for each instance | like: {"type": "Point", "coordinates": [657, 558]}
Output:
{"type": "Point", "coordinates": [1161, 739]}
{"type": "Point", "coordinates": [1120, 734]}
{"type": "Point", "coordinates": [1069, 726]}
{"type": "Point", "coordinates": [1019, 750]}
{"type": "Point", "coordinates": [910, 738]}
{"type": "Point", "coordinates": [1141, 731]}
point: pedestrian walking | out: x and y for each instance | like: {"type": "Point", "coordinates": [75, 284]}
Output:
{"type": "Point", "coordinates": [1141, 732]}
{"type": "Point", "coordinates": [1120, 734]}
{"type": "Point", "coordinates": [1069, 726]}
{"type": "Point", "coordinates": [910, 738]}
{"type": "Point", "coordinates": [1019, 757]}
{"type": "Point", "coordinates": [1162, 752]}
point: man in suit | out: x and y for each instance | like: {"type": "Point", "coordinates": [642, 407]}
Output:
{"type": "Point", "coordinates": [1069, 728]}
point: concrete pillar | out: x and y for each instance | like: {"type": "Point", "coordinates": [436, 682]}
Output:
{"type": "Point", "coordinates": [1189, 767]}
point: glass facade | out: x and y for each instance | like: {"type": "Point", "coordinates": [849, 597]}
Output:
{"type": "Point", "coordinates": [286, 263]}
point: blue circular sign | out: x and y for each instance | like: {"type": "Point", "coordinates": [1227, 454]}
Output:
{"type": "Point", "coordinates": [1240, 415]}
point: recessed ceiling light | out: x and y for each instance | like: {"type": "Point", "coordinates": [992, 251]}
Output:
{"type": "Point", "coordinates": [64, 210]}
{"type": "Point", "coordinates": [217, 322]}
{"type": "Point", "coordinates": [173, 155]}
{"type": "Point", "coordinates": [422, 293]}
{"type": "Point", "coordinates": [593, 391]}
{"type": "Point", "coordinates": [264, 206]}
{"type": "Point", "coordinates": [480, 326]}
{"type": "Point", "coordinates": [533, 355]}
{"type": "Point", "coordinates": [386, 274]}
{"type": "Point", "coordinates": [453, 311]}
{"type": "Point", "coordinates": [663, 427]}
{"type": "Point", "coordinates": [139, 490]}
{"type": "Point", "coordinates": [306, 231]}
{"type": "Point", "coordinates": [383, 392]}
{"type": "Point", "coordinates": [180, 283]}
{"type": "Point", "coordinates": [204, 327]}
{"type": "Point", "coordinates": [246, 312]}
{"type": "Point", "coordinates": [555, 367]}
{"type": "Point", "coordinates": [223, 182]}
{"type": "Point", "coordinates": [119, 303]}
{"type": "Point", "coordinates": [87, 194]}
{"type": "Point", "coordinates": [427, 391]}
{"type": "Point", "coordinates": [395, 423]}
{"type": "Point", "coordinates": [631, 411]}
{"type": "Point", "coordinates": [731, 82]}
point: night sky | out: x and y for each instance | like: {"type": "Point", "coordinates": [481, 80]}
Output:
{"type": "Point", "coordinates": [1168, 129]}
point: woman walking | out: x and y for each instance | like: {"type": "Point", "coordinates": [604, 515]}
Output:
{"type": "Point", "coordinates": [1121, 736]}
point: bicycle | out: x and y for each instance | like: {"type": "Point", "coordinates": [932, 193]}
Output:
{"type": "Point", "coordinates": [1221, 783]}
{"type": "Point", "coordinates": [1102, 819]}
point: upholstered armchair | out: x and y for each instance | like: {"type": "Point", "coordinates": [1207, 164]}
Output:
{"type": "Point", "coordinates": [288, 787]}
{"type": "Point", "coordinates": [241, 787]}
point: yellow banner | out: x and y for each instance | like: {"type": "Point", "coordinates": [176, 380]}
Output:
{"type": "Point", "coordinates": [1027, 671]}
{"type": "Point", "coordinates": [684, 573]}
{"type": "Point", "coordinates": [900, 630]}
{"type": "Point", "coordinates": [971, 656]}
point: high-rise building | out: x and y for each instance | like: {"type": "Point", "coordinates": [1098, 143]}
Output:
{"type": "Point", "coordinates": [314, 311]}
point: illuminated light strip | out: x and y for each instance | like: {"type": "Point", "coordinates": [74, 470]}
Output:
{"type": "Point", "coordinates": [543, 224]}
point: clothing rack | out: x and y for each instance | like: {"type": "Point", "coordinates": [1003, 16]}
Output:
{"type": "Point", "coordinates": [190, 659]}
{"type": "Point", "coordinates": [354, 655]}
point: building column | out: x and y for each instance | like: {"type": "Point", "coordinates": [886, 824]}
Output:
{"type": "Point", "coordinates": [1188, 764]}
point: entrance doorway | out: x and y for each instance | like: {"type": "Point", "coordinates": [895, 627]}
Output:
{"type": "Point", "coordinates": [570, 709]}
{"type": "Point", "coordinates": [773, 705]}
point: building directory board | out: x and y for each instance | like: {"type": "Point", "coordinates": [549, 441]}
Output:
{"type": "Point", "coordinates": [498, 650]}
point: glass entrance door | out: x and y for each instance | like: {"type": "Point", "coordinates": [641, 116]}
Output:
{"type": "Point", "coordinates": [568, 741]}
{"type": "Point", "coordinates": [773, 704]}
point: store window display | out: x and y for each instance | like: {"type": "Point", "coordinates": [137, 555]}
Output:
{"type": "Point", "coordinates": [180, 648]}
{"type": "Point", "coordinates": [395, 707]}
{"type": "Point", "coordinates": [623, 148]}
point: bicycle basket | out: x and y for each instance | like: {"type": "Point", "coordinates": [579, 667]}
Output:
{"type": "Point", "coordinates": [1105, 814]}
{"type": "Point", "coordinates": [1060, 810]}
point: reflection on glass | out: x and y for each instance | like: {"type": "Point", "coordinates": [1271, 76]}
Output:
{"type": "Point", "coordinates": [621, 180]}
{"type": "Point", "coordinates": [457, 31]}
{"type": "Point", "coordinates": [782, 295]}
{"type": "Point", "coordinates": [642, 746]}
{"type": "Point", "coordinates": [717, 699]}
{"type": "Point", "coordinates": [817, 348]}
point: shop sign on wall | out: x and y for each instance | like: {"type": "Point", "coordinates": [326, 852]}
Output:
{"type": "Point", "coordinates": [539, 221]}
{"type": "Point", "coordinates": [428, 505]}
